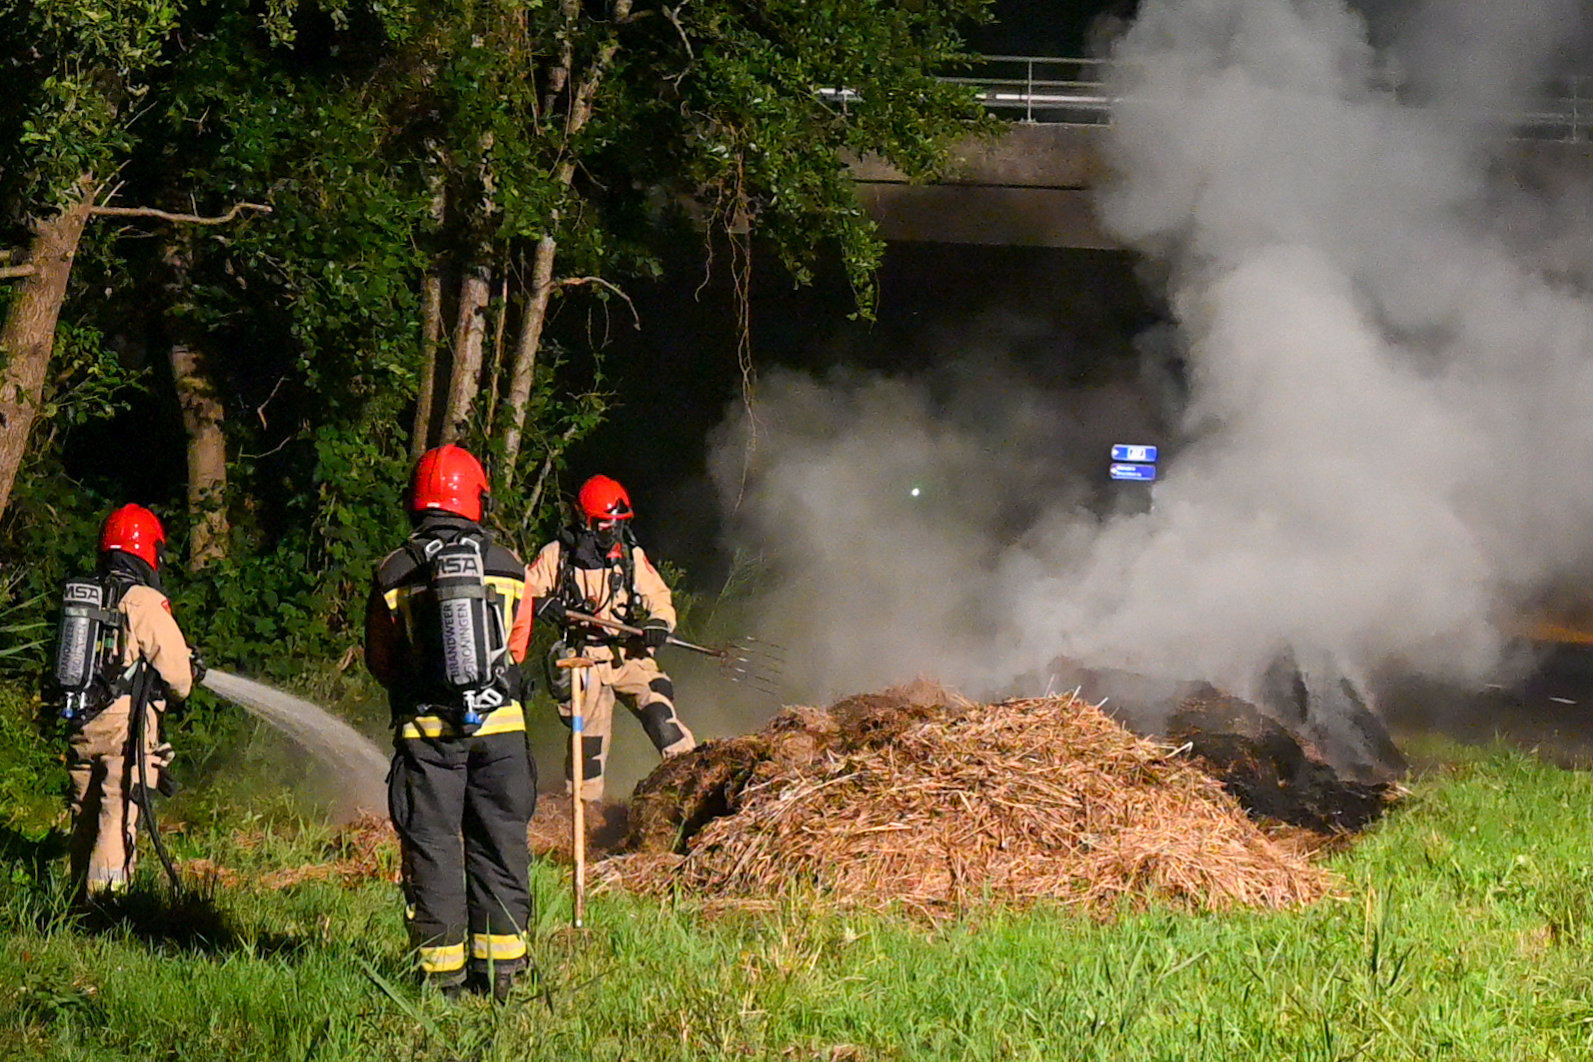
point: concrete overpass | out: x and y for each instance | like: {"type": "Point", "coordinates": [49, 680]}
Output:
{"type": "Point", "coordinates": [1031, 186]}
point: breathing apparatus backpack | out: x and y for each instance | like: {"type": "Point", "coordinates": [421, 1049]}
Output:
{"type": "Point", "coordinates": [469, 652]}
{"type": "Point", "coordinates": [88, 647]}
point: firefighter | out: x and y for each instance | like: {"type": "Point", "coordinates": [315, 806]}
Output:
{"type": "Point", "coordinates": [463, 785]}
{"type": "Point", "coordinates": [100, 666]}
{"type": "Point", "coordinates": [595, 567]}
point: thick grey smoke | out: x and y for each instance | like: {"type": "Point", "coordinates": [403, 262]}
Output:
{"type": "Point", "coordinates": [1387, 450]}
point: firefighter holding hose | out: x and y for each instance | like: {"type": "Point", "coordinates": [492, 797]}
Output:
{"type": "Point", "coordinates": [595, 568]}
{"type": "Point", "coordinates": [463, 785]}
{"type": "Point", "coordinates": [117, 638]}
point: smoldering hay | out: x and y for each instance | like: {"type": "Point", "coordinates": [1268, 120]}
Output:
{"type": "Point", "coordinates": [917, 799]}
{"type": "Point", "coordinates": [1385, 452]}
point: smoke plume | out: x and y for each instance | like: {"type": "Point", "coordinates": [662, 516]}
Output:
{"type": "Point", "coordinates": [1386, 451]}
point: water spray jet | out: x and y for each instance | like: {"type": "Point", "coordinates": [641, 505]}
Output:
{"type": "Point", "coordinates": [362, 767]}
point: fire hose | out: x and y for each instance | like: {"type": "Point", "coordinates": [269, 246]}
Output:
{"type": "Point", "coordinates": [143, 682]}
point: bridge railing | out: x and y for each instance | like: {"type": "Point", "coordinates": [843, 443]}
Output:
{"type": "Point", "coordinates": [1563, 113]}
{"type": "Point", "coordinates": [1074, 91]}
{"type": "Point", "coordinates": [1042, 89]}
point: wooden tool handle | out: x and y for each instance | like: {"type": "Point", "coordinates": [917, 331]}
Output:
{"type": "Point", "coordinates": [577, 779]}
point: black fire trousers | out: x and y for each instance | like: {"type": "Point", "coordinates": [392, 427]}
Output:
{"type": "Point", "coordinates": [461, 806]}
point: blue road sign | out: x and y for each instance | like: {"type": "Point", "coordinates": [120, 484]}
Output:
{"type": "Point", "coordinates": [1136, 473]}
{"type": "Point", "coordinates": [1138, 454]}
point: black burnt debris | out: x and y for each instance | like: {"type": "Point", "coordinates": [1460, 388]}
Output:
{"type": "Point", "coordinates": [1270, 771]}
{"type": "Point", "coordinates": [1312, 755]}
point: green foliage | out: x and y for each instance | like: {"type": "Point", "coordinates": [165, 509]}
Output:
{"type": "Point", "coordinates": [393, 141]}
{"type": "Point", "coordinates": [90, 383]}
{"type": "Point", "coordinates": [23, 634]}
{"type": "Point", "coordinates": [53, 535]}
{"type": "Point", "coordinates": [32, 768]}
{"type": "Point", "coordinates": [760, 143]}
{"type": "Point", "coordinates": [87, 65]}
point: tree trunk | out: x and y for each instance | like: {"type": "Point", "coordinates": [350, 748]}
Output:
{"type": "Point", "coordinates": [207, 456]}
{"type": "Point", "coordinates": [431, 315]}
{"type": "Point", "coordinates": [28, 338]}
{"type": "Point", "coordinates": [430, 336]}
{"type": "Point", "coordinates": [536, 308]}
{"type": "Point", "coordinates": [469, 331]}
{"type": "Point", "coordinates": [202, 411]}
{"type": "Point", "coordinates": [489, 379]}
{"type": "Point", "coordinates": [525, 353]}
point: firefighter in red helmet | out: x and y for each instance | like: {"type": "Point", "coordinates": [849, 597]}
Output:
{"type": "Point", "coordinates": [595, 567]}
{"type": "Point", "coordinates": [115, 627]}
{"type": "Point", "coordinates": [463, 786]}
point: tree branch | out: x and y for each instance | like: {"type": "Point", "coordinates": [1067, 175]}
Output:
{"type": "Point", "coordinates": [26, 269]}
{"type": "Point", "coordinates": [674, 20]}
{"type": "Point", "coordinates": [575, 282]}
{"type": "Point", "coordinates": [185, 219]}
{"type": "Point", "coordinates": [542, 476]}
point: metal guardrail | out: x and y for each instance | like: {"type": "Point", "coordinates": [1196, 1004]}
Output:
{"type": "Point", "coordinates": [1564, 113]}
{"type": "Point", "coordinates": [1047, 90]}
{"type": "Point", "coordinates": [1074, 91]}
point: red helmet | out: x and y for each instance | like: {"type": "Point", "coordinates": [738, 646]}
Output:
{"type": "Point", "coordinates": [602, 498]}
{"type": "Point", "coordinates": [134, 529]}
{"type": "Point", "coordinates": [451, 480]}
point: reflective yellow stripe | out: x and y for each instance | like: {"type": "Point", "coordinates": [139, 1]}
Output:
{"type": "Point", "coordinates": [442, 959]}
{"type": "Point", "coordinates": [510, 588]}
{"type": "Point", "coordinates": [114, 880]}
{"type": "Point", "coordinates": [498, 946]}
{"type": "Point", "coordinates": [391, 597]}
{"type": "Point", "coordinates": [506, 720]}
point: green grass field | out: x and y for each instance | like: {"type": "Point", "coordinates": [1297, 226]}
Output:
{"type": "Point", "coordinates": [1463, 931]}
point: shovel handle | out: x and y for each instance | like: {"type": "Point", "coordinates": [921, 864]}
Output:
{"type": "Point", "coordinates": [577, 770]}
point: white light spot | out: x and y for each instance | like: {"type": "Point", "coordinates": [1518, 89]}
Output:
{"type": "Point", "coordinates": [915, 492]}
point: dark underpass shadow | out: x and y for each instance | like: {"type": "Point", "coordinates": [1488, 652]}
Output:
{"type": "Point", "coordinates": [1548, 711]}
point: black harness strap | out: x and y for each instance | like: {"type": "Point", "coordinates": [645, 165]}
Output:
{"type": "Point", "coordinates": [620, 578]}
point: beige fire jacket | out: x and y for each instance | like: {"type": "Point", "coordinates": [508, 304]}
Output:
{"type": "Point", "coordinates": [603, 594]}
{"type": "Point", "coordinates": [153, 634]}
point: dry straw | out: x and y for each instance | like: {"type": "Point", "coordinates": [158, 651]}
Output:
{"type": "Point", "coordinates": [919, 798]}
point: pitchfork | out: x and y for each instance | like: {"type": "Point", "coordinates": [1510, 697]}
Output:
{"type": "Point", "coordinates": [749, 661]}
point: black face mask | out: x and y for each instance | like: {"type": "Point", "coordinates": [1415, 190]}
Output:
{"type": "Point", "coordinates": [592, 547]}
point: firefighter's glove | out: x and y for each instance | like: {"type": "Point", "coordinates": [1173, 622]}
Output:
{"type": "Point", "coordinates": [198, 665]}
{"type": "Point", "coordinates": [655, 632]}
{"type": "Point", "coordinates": [559, 683]}
{"type": "Point", "coordinates": [160, 758]}
{"type": "Point", "coordinates": [550, 610]}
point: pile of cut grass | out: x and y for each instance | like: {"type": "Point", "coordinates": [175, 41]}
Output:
{"type": "Point", "coordinates": [917, 797]}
